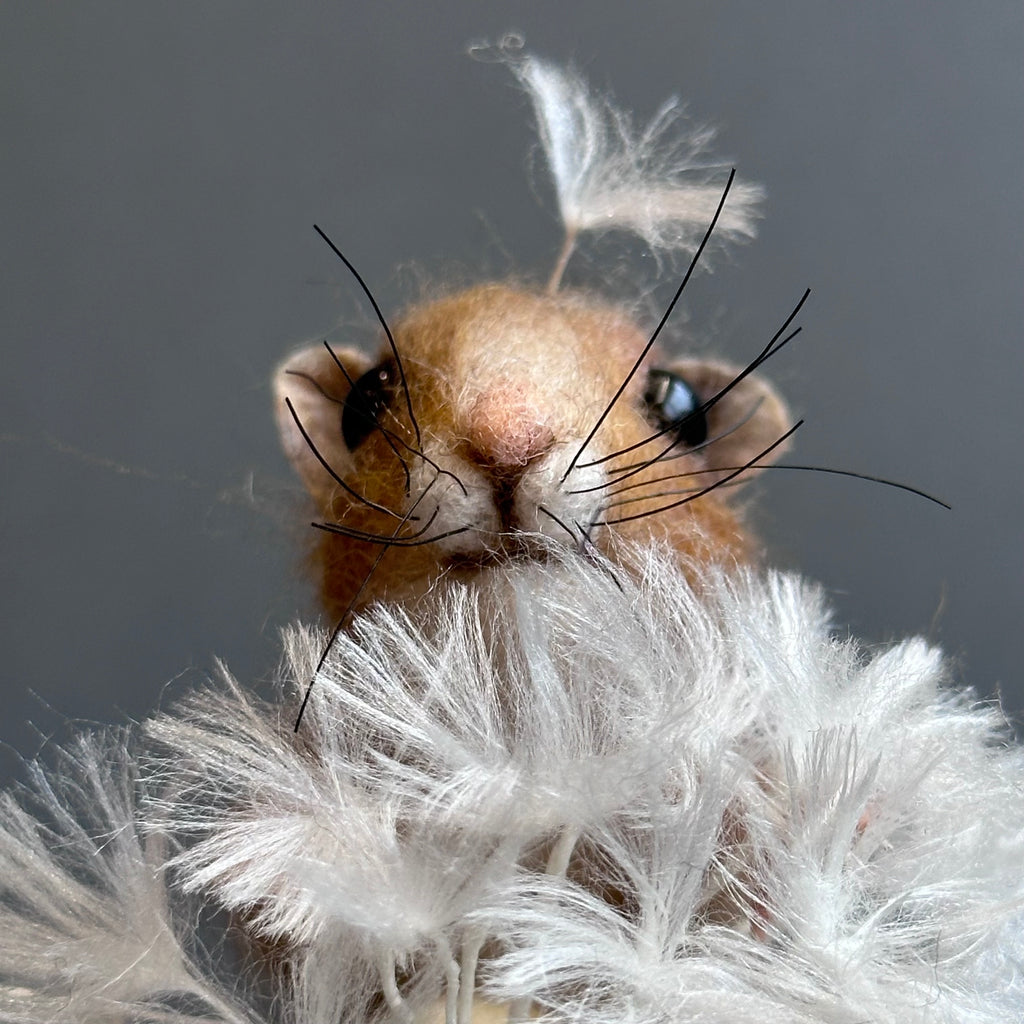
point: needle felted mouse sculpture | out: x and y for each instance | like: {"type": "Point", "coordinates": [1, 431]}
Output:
{"type": "Point", "coordinates": [572, 753]}
{"type": "Point", "coordinates": [500, 415]}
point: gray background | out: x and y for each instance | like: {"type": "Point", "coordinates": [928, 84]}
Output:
{"type": "Point", "coordinates": [163, 165]}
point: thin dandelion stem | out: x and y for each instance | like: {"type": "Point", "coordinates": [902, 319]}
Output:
{"type": "Point", "coordinates": [399, 1008]}
{"type": "Point", "coordinates": [557, 865]}
{"type": "Point", "coordinates": [568, 246]}
{"type": "Point", "coordinates": [561, 852]}
{"type": "Point", "coordinates": [451, 974]}
{"type": "Point", "coordinates": [472, 943]}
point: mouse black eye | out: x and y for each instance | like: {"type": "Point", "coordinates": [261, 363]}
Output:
{"type": "Point", "coordinates": [369, 397]}
{"type": "Point", "coordinates": [673, 403]}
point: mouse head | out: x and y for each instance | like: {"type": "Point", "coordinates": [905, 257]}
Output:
{"type": "Point", "coordinates": [509, 421]}
{"type": "Point", "coordinates": [500, 420]}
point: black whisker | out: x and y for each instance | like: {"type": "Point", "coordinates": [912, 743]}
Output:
{"type": "Point", "coordinates": [558, 522]}
{"type": "Point", "coordinates": [327, 466]}
{"type": "Point", "coordinates": [885, 482]}
{"type": "Point", "coordinates": [355, 600]}
{"type": "Point", "coordinates": [376, 423]}
{"type": "Point", "coordinates": [587, 545]}
{"type": "Point", "coordinates": [682, 490]}
{"type": "Point", "coordinates": [415, 540]}
{"type": "Point", "coordinates": [380, 316]}
{"type": "Point", "coordinates": [355, 532]}
{"type": "Point", "coordinates": [870, 478]}
{"type": "Point", "coordinates": [390, 436]}
{"type": "Point", "coordinates": [310, 379]}
{"type": "Point", "coordinates": [711, 487]}
{"type": "Point", "coordinates": [584, 543]}
{"type": "Point", "coordinates": [774, 346]}
{"type": "Point", "coordinates": [334, 634]}
{"type": "Point", "coordinates": [426, 458]}
{"type": "Point", "coordinates": [657, 330]}
{"type": "Point", "coordinates": [648, 497]}
{"type": "Point", "coordinates": [340, 401]}
{"type": "Point", "coordinates": [658, 480]}
{"type": "Point", "coordinates": [633, 468]}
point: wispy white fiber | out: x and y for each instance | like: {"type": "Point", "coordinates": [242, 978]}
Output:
{"type": "Point", "coordinates": [571, 788]}
{"type": "Point", "coordinates": [85, 931]}
{"type": "Point", "coordinates": [655, 181]}
{"type": "Point", "coordinates": [764, 822]}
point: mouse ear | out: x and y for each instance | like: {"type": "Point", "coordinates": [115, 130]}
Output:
{"type": "Point", "coordinates": [746, 420]}
{"type": "Point", "coordinates": [310, 388]}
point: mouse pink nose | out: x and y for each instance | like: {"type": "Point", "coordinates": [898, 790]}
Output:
{"type": "Point", "coordinates": [504, 431]}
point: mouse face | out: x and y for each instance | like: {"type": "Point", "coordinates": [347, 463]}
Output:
{"type": "Point", "coordinates": [476, 446]}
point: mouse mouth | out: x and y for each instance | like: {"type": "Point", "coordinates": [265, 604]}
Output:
{"type": "Point", "coordinates": [507, 548]}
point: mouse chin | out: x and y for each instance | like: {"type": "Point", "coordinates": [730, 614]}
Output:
{"type": "Point", "coordinates": [506, 548]}
{"type": "Point", "coordinates": [527, 527]}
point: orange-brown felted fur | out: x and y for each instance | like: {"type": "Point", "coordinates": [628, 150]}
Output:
{"type": "Point", "coordinates": [505, 385]}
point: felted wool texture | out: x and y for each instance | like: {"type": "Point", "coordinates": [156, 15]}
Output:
{"type": "Point", "coordinates": [502, 384]}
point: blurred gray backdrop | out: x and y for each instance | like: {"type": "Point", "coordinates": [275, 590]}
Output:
{"type": "Point", "coordinates": [163, 165]}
